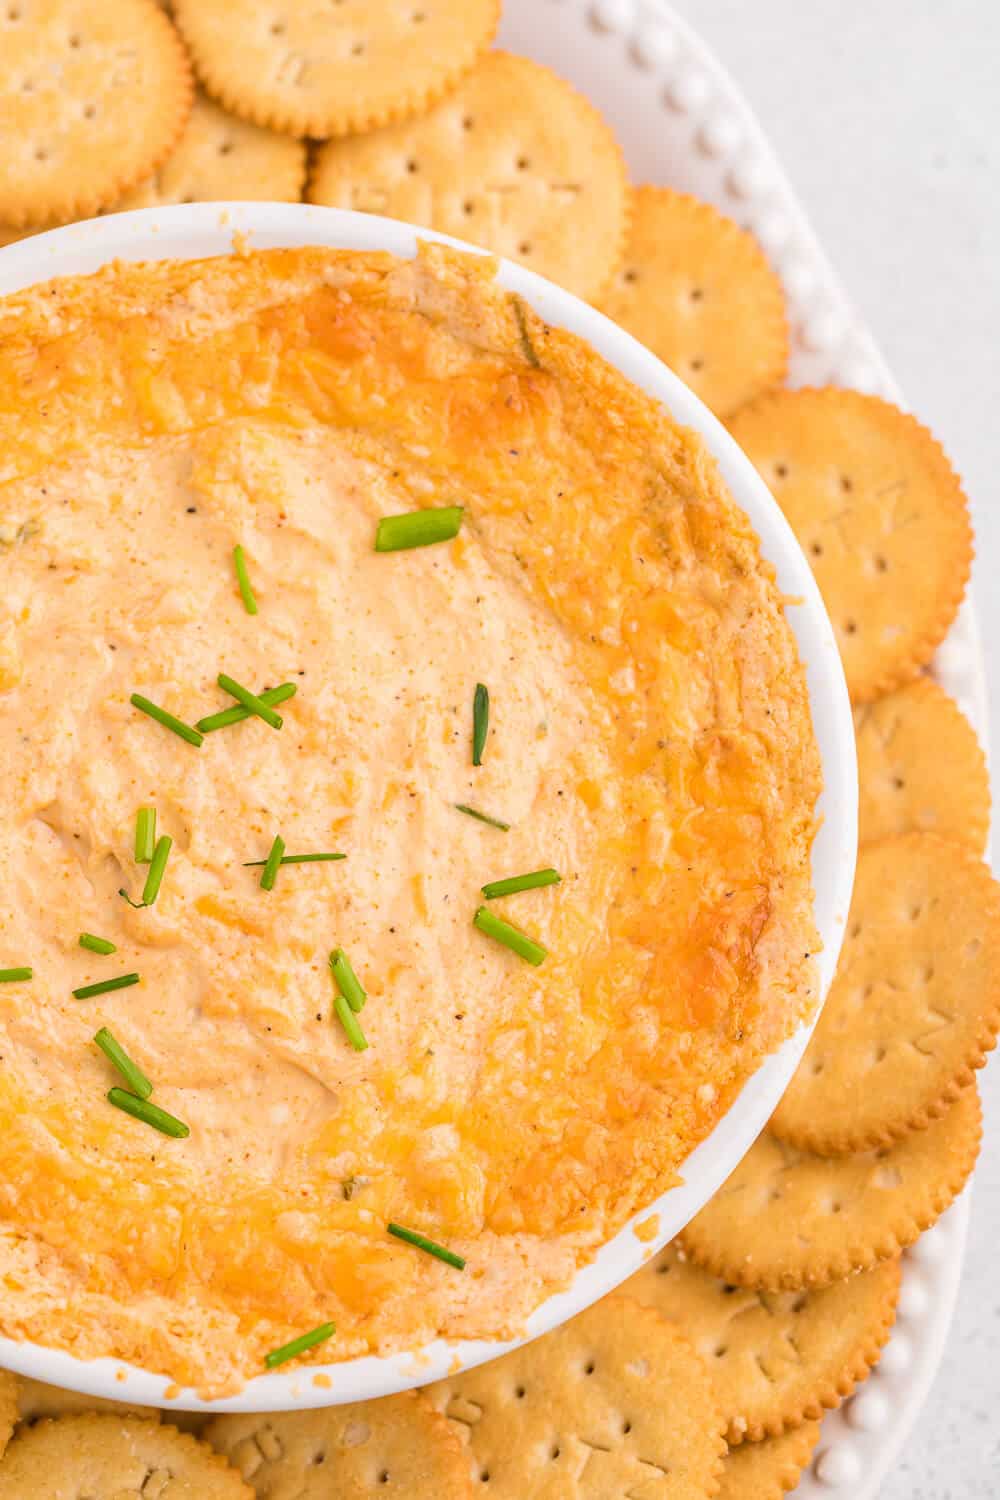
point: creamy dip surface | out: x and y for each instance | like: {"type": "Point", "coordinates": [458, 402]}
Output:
{"type": "Point", "coordinates": [649, 738]}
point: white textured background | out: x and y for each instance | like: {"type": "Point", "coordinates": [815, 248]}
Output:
{"type": "Point", "coordinates": [886, 115]}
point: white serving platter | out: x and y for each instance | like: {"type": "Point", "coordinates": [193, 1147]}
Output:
{"type": "Point", "coordinates": [684, 123]}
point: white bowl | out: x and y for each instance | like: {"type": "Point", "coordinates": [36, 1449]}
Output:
{"type": "Point", "coordinates": [194, 230]}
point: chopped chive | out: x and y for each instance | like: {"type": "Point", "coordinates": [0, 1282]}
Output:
{"type": "Point", "coordinates": [249, 700]}
{"type": "Point", "coordinates": [243, 579]}
{"type": "Point", "coordinates": [116, 1054]}
{"type": "Point", "coordinates": [423, 1243]}
{"type": "Point", "coordinates": [481, 817]}
{"type": "Point", "coordinates": [12, 976]}
{"type": "Point", "coordinates": [517, 883]}
{"type": "Point", "coordinates": [296, 859]}
{"type": "Point", "coordinates": [272, 863]}
{"type": "Point", "coordinates": [522, 328]}
{"type": "Point", "coordinates": [96, 944]}
{"type": "Point", "coordinates": [135, 905]}
{"type": "Point", "coordinates": [168, 720]}
{"type": "Point", "coordinates": [236, 715]}
{"type": "Point", "coordinates": [145, 835]}
{"type": "Point", "coordinates": [350, 1023]}
{"type": "Point", "coordinates": [105, 986]}
{"type": "Point", "coordinates": [151, 1114]}
{"type": "Point", "coordinates": [480, 722]}
{"type": "Point", "coordinates": [418, 528]}
{"type": "Point", "coordinates": [300, 1345]}
{"type": "Point", "coordinates": [511, 937]}
{"type": "Point", "coordinates": [350, 985]}
{"type": "Point", "coordinates": [157, 865]}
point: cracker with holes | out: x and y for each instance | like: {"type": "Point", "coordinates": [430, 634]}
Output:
{"type": "Point", "coordinates": [915, 1003]}
{"type": "Point", "coordinates": [615, 1402]}
{"type": "Point", "coordinates": [514, 160]}
{"type": "Point", "coordinates": [107, 1457]}
{"type": "Point", "coordinates": [777, 1359]}
{"type": "Point", "coordinates": [36, 1400]}
{"type": "Point", "coordinates": [768, 1470]}
{"type": "Point", "coordinates": [330, 70]}
{"type": "Point", "coordinates": [8, 1406]}
{"type": "Point", "coordinates": [881, 516]}
{"type": "Point", "coordinates": [397, 1446]}
{"type": "Point", "coordinates": [920, 766]}
{"type": "Point", "coordinates": [699, 291]}
{"type": "Point", "coordinates": [94, 96]}
{"type": "Point", "coordinates": [218, 157]}
{"type": "Point", "coordinates": [787, 1219]}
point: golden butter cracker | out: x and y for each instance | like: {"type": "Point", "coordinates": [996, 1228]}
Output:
{"type": "Point", "coordinates": [8, 1406]}
{"type": "Point", "coordinates": [514, 160]}
{"type": "Point", "coordinates": [787, 1219]}
{"type": "Point", "coordinates": [915, 1003]}
{"type": "Point", "coordinates": [92, 99]}
{"type": "Point", "coordinates": [698, 290]}
{"type": "Point", "coordinates": [36, 1400]}
{"type": "Point", "coordinates": [221, 157]}
{"type": "Point", "coordinates": [920, 766]}
{"type": "Point", "coordinates": [881, 516]}
{"type": "Point", "coordinates": [613, 1403]}
{"type": "Point", "coordinates": [396, 1446]}
{"type": "Point", "coordinates": [768, 1470]}
{"type": "Point", "coordinates": [102, 1457]}
{"type": "Point", "coordinates": [332, 69]}
{"type": "Point", "coordinates": [777, 1359]}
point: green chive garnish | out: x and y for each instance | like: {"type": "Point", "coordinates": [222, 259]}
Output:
{"type": "Point", "coordinates": [350, 1023]}
{"type": "Point", "coordinates": [350, 985]}
{"type": "Point", "coordinates": [151, 1114]}
{"type": "Point", "coordinates": [116, 1054]}
{"type": "Point", "coordinates": [511, 937]}
{"type": "Point", "coordinates": [236, 715]}
{"type": "Point", "coordinates": [145, 835]}
{"type": "Point", "coordinates": [243, 579]}
{"type": "Point", "coordinates": [168, 720]}
{"type": "Point", "coordinates": [105, 986]}
{"type": "Point", "coordinates": [480, 722]}
{"type": "Point", "coordinates": [520, 883]}
{"type": "Point", "coordinates": [12, 976]}
{"type": "Point", "coordinates": [272, 863]}
{"type": "Point", "coordinates": [300, 1345]}
{"type": "Point", "coordinates": [157, 865]}
{"type": "Point", "coordinates": [482, 817]}
{"type": "Point", "coordinates": [418, 528]}
{"type": "Point", "coordinates": [96, 944]}
{"type": "Point", "coordinates": [249, 700]}
{"type": "Point", "coordinates": [296, 859]}
{"type": "Point", "coordinates": [423, 1243]}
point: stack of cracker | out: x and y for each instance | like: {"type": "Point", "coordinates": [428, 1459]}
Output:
{"type": "Point", "coordinates": [708, 1373]}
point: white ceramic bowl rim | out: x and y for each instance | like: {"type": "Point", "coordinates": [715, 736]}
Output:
{"type": "Point", "coordinates": [194, 230]}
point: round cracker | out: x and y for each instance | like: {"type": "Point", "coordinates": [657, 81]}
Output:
{"type": "Point", "coordinates": [786, 1219]}
{"type": "Point", "coordinates": [8, 1406]}
{"type": "Point", "coordinates": [881, 517]}
{"type": "Point", "coordinates": [107, 1457]}
{"type": "Point", "coordinates": [94, 96]}
{"type": "Point", "coordinates": [920, 766]}
{"type": "Point", "coordinates": [615, 1402]}
{"type": "Point", "coordinates": [221, 157]}
{"type": "Point", "coordinates": [777, 1359]}
{"type": "Point", "coordinates": [514, 160]}
{"type": "Point", "coordinates": [397, 1446]}
{"type": "Point", "coordinates": [699, 291]}
{"type": "Point", "coordinates": [915, 1003]}
{"type": "Point", "coordinates": [330, 70]}
{"type": "Point", "coordinates": [36, 1400]}
{"type": "Point", "coordinates": [768, 1470]}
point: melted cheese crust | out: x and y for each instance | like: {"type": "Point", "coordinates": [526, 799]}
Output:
{"type": "Point", "coordinates": [651, 738]}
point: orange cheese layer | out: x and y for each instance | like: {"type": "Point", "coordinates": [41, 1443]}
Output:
{"type": "Point", "coordinates": [650, 737]}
